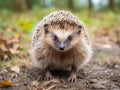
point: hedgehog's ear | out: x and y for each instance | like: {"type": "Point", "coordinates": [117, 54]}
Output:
{"type": "Point", "coordinates": [46, 28]}
{"type": "Point", "coordinates": [79, 29]}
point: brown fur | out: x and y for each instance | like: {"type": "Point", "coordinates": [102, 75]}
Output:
{"type": "Point", "coordinates": [44, 53]}
{"type": "Point", "coordinates": [57, 60]}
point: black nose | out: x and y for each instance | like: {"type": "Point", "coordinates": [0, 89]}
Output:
{"type": "Point", "coordinates": [62, 47]}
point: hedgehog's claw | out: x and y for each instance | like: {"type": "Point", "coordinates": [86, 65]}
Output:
{"type": "Point", "coordinates": [72, 77]}
{"type": "Point", "coordinates": [48, 76]}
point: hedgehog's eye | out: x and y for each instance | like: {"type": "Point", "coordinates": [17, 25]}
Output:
{"type": "Point", "coordinates": [70, 37]}
{"type": "Point", "coordinates": [55, 38]}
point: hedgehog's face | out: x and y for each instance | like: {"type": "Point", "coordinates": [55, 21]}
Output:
{"type": "Point", "coordinates": [62, 40]}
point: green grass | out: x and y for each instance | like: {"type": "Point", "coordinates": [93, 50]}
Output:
{"type": "Point", "coordinates": [8, 63]}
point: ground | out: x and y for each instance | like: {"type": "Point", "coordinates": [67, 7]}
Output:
{"type": "Point", "coordinates": [94, 76]}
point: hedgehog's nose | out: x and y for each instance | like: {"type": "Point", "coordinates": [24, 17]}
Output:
{"type": "Point", "coordinates": [62, 47]}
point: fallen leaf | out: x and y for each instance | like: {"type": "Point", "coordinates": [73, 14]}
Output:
{"type": "Point", "coordinates": [9, 48]}
{"type": "Point", "coordinates": [35, 83]}
{"type": "Point", "coordinates": [12, 41]}
{"type": "Point", "coordinates": [50, 81]}
{"type": "Point", "coordinates": [3, 45]}
{"type": "Point", "coordinates": [15, 69]}
{"type": "Point", "coordinates": [55, 80]}
{"type": "Point", "coordinates": [14, 51]}
{"type": "Point", "coordinates": [5, 83]}
{"type": "Point", "coordinates": [51, 87]}
{"type": "Point", "coordinates": [2, 41]}
{"type": "Point", "coordinates": [3, 55]}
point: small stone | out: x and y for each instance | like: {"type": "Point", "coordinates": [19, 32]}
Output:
{"type": "Point", "coordinates": [116, 66]}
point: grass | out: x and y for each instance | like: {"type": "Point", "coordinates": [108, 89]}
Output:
{"type": "Point", "coordinates": [22, 25]}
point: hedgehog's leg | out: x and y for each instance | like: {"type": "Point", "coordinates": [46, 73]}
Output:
{"type": "Point", "coordinates": [48, 74]}
{"type": "Point", "coordinates": [72, 77]}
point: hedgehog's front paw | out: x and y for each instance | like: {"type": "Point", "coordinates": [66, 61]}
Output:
{"type": "Point", "coordinates": [72, 77]}
{"type": "Point", "coordinates": [48, 76]}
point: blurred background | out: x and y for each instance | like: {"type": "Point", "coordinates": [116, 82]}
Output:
{"type": "Point", "coordinates": [19, 17]}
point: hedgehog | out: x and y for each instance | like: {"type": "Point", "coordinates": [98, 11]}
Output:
{"type": "Point", "coordinates": [60, 42]}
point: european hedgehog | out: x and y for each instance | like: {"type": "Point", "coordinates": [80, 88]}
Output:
{"type": "Point", "coordinates": [60, 42]}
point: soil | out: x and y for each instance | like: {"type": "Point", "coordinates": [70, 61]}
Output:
{"type": "Point", "coordinates": [94, 76]}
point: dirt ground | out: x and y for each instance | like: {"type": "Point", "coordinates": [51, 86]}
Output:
{"type": "Point", "coordinates": [94, 76]}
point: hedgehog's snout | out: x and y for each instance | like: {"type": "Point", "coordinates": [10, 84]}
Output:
{"type": "Point", "coordinates": [62, 46]}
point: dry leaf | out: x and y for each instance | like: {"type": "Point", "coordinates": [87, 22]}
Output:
{"type": "Point", "coordinates": [3, 56]}
{"type": "Point", "coordinates": [51, 87]}
{"type": "Point", "coordinates": [55, 80]}
{"type": "Point", "coordinates": [5, 83]}
{"type": "Point", "coordinates": [9, 47]}
{"type": "Point", "coordinates": [15, 69]}
{"type": "Point", "coordinates": [13, 41]}
{"type": "Point", "coordinates": [35, 83]}
{"type": "Point", "coordinates": [4, 50]}
{"type": "Point", "coordinates": [50, 81]}
{"type": "Point", "coordinates": [3, 45]}
{"type": "Point", "coordinates": [14, 51]}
